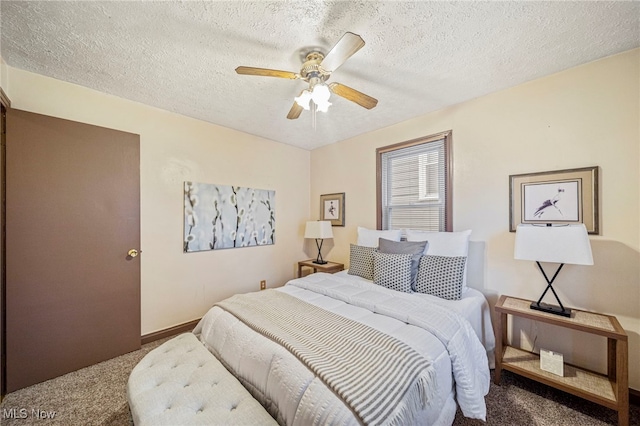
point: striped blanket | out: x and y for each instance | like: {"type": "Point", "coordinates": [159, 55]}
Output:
{"type": "Point", "coordinates": [371, 371]}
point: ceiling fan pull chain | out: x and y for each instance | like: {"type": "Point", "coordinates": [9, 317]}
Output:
{"type": "Point", "coordinates": [313, 115]}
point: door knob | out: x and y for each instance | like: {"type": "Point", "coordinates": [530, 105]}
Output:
{"type": "Point", "coordinates": [132, 253]}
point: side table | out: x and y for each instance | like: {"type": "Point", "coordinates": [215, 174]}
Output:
{"type": "Point", "coordinates": [610, 390]}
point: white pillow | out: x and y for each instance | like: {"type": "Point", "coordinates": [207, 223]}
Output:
{"type": "Point", "coordinates": [451, 244]}
{"type": "Point", "coordinates": [369, 237]}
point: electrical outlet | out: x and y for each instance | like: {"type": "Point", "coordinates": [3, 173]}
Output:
{"type": "Point", "coordinates": [263, 284]}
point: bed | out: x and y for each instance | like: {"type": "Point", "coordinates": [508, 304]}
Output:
{"type": "Point", "coordinates": [446, 343]}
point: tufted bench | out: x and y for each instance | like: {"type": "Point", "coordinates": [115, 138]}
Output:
{"type": "Point", "coordinates": [182, 383]}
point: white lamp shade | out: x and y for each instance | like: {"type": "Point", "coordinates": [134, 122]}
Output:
{"type": "Point", "coordinates": [557, 244]}
{"type": "Point", "coordinates": [318, 229]}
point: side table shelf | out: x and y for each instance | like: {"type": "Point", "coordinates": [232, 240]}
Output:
{"type": "Point", "coordinates": [610, 390]}
{"type": "Point", "coordinates": [329, 267]}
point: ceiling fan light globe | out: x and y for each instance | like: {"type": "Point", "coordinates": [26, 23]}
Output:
{"type": "Point", "coordinates": [304, 99]}
{"type": "Point", "coordinates": [320, 94]}
{"type": "Point", "coordinates": [323, 106]}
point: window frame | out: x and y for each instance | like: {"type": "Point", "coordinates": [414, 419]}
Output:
{"type": "Point", "coordinates": [448, 175]}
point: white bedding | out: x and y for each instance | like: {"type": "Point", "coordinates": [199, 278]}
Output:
{"type": "Point", "coordinates": [473, 306]}
{"type": "Point", "coordinates": [292, 393]}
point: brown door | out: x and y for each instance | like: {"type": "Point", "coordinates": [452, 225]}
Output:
{"type": "Point", "coordinates": [72, 215]}
{"type": "Point", "coordinates": [3, 357]}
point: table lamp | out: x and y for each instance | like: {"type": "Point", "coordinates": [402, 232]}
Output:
{"type": "Point", "coordinates": [319, 230]}
{"type": "Point", "coordinates": [556, 244]}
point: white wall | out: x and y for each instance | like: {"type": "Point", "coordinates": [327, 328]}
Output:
{"type": "Point", "coordinates": [585, 116]}
{"type": "Point", "coordinates": [178, 287]}
{"type": "Point", "coordinates": [4, 82]}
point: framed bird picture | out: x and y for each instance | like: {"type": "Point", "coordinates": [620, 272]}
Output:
{"type": "Point", "coordinates": [555, 197]}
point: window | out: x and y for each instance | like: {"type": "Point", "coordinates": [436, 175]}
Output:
{"type": "Point", "coordinates": [414, 184]}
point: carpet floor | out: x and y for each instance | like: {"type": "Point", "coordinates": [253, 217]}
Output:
{"type": "Point", "coordinates": [96, 396]}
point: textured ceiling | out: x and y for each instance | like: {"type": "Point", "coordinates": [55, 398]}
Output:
{"type": "Point", "coordinates": [419, 56]}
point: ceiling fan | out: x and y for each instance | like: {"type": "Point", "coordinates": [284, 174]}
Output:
{"type": "Point", "coordinates": [316, 70]}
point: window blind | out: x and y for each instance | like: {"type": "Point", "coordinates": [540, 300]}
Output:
{"type": "Point", "coordinates": [413, 187]}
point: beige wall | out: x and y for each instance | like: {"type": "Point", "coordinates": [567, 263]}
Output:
{"type": "Point", "coordinates": [178, 287]}
{"type": "Point", "coordinates": [3, 74]}
{"type": "Point", "coordinates": [585, 116]}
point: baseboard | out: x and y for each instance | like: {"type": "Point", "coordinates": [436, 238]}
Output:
{"type": "Point", "coordinates": [634, 396]}
{"type": "Point", "coordinates": [168, 332]}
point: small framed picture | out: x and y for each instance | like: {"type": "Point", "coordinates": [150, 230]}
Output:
{"type": "Point", "coordinates": [332, 208]}
{"type": "Point", "coordinates": [557, 197]}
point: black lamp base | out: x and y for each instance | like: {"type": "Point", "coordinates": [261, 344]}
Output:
{"type": "Point", "coordinates": [319, 260]}
{"type": "Point", "coordinates": [551, 309]}
{"type": "Point", "coordinates": [545, 307]}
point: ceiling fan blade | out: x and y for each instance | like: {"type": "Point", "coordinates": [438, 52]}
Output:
{"type": "Point", "coordinates": [266, 72]}
{"type": "Point", "coordinates": [353, 95]}
{"type": "Point", "coordinates": [349, 44]}
{"type": "Point", "coordinates": [294, 112]}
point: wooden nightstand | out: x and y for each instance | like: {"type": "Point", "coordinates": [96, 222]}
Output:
{"type": "Point", "coordinates": [610, 390]}
{"type": "Point", "coordinates": [329, 267]}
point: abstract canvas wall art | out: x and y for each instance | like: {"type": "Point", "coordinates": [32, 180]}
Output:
{"type": "Point", "coordinates": [223, 216]}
